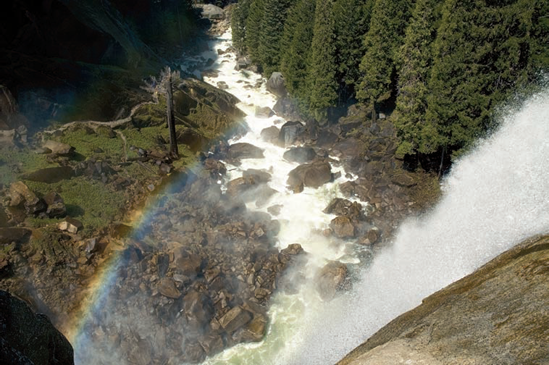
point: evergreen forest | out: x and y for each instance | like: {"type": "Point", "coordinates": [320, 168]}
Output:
{"type": "Point", "coordinates": [440, 69]}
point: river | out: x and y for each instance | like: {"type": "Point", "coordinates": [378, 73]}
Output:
{"type": "Point", "coordinates": [493, 198]}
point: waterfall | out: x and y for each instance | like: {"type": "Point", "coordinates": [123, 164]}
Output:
{"type": "Point", "coordinates": [493, 198]}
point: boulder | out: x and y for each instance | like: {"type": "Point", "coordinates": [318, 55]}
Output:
{"type": "Point", "coordinates": [235, 319]}
{"type": "Point", "coordinates": [259, 176]}
{"type": "Point", "coordinates": [212, 12]}
{"type": "Point", "coordinates": [58, 148]}
{"type": "Point", "coordinates": [300, 154]}
{"type": "Point", "coordinates": [263, 112]}
{"type": "Point", "coordinates": [343, 227]}
{"type": "Point", "coordinates": [287, 108]}
{"type": "Point", "coordinates": [240, 185]}
{"type": "Point", "coordinates": [270, 134]}
{"type": "Point", "coordinates": [242, 63]}
{"type": "Point", "coordinates": [290, 132]}
{"type": "Point", "coordinates": [198, 309]}
{"type": "Point", "coordinates": [254, 331]}
{"type": "Point", "coordinates": [222, 85]}
{"type": "Point", "coordinates": [20, 193]}
{"type": "Point", "coordinates": [242, 150]}
{"type": "Point", "coordinates": [55, 205]}
{"type": "Point", "coordinates": [311, 175]}
{"type": "Point", "coordinates": [189, 266]}
{"type": "Point", "coordinates": [166, 287]}
{"type": "Point", "coordinates": [331, 279]}
{"type": "Point", "coordinates": [7, 138]}
{"type": "Point", "coordinates": [276, 85]}
{"type": "Point", "coordinates": [344, 207]}
{"type": "Point", "coordinates": [29, 338]}
{"type": "Point", "coordinates": [70, 225]}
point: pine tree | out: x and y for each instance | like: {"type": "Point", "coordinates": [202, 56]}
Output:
{"type": "Point", "coordinates": [480, 54]}
{"type": "Point", "coordinates": [414, 61]}
{"type": "Point", "coordinates": [383, 40]}
{"type": "Point", "coordinates": [296, 48]}
{"type": "Point", "coordinates": [272, 28]}
{"type": "Point", "coordinates": [253, 29]}
{"type": "Point", "coordinates": [238, 25]}
{"type": "Point", "coordinates": [322, 70]}
{"type": "Point", "coordinates": [352, 19]}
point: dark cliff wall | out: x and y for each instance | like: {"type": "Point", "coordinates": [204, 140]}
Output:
{"type": "Point", "coordinates": [28, 338]}
{"type": "Point", "coordinates": [62, 51]}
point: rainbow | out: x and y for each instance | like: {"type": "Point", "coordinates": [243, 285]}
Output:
{"type": "Point", "coordinates": [102, 283]}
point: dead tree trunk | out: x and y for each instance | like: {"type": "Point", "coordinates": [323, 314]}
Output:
{"type": "Point", "coordinates": [171, 120]}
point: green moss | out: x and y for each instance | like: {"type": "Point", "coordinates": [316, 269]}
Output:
{"type": "Point", "coordinates": [90, 201]}
{"type": "Point", "coordinates": [14, 162]}
{"type": "Point", "coordinates": [86, 144]}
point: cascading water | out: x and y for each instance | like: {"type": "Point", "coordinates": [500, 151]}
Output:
{"type": "Point", "coordinates": [493, 198]}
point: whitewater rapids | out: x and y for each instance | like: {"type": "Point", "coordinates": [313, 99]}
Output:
{"type": "Point", "coordinates": [494, 197]}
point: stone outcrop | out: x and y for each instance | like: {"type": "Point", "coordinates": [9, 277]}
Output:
{"type": "Point", "coordinates": [312, 175]}
{"type": "Point", "coordinates": [27, 338]}
{"type": "Point", "coordinates": [276, 85]}
{"type": "Point", "coordinates": [497, 315]}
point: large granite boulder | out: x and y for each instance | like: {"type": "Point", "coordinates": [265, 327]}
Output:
{"type": "Point", "coordinates": [276, 85]}
{"type": "Point", "coordinates": [311, 175]}
{"type": "Point", "coordinates": [243, 150]}
{"type": "Point", "coordinates": [300, 154]}
{"type": "Point", "coordinates": [290, 132]}
{"type": "Point", "coordinates": [331, 279]}
{"type": "Point", "coordinates": [497, 315]}
{"type": "Point", "coordinates": [29, 338]}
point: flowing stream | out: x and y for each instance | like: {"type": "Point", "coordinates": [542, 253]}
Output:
{"type": "Point", "coordinates": [493, 198]}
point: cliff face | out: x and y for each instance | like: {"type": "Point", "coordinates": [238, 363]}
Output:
{"type": "Point", "coordinates": [29, 338]}
{"type": "Point", "coordinates": [497, 315]}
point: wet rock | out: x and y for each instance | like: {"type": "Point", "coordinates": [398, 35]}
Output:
{"type": "Point", "coordinates": [215, 167]}
{"type": "Point", "coordinates": [275, 209]}
{"type": "Point", "coordinates": [50, 175]}
{"type": "Point", "coordinates": [212, 344]}
{"type": "Point", "coordinates": [198, 309]}
{"type": "Point", "coordinates": [290, 132]}
{"type": "Point", "coordinates": [70, 225]}
{"type": "Point", "coordinates": [239, 151]}
{"type": "Point", "coordinates": [234, 319]}
{"type": "Point", "coordinates": [253, 331]}
{"type": "Point", "coordinates": [300, 154]}
{"type": "Point", "coordinates": [287, 108]}
{"type": "Point", "coordinates": [28, 338]}
{"type": "Point", "coordinates": [222, 85]}
{"type": "Point", "coordinates": [331, 279]}
{"type": "Point", "coordinates": [259, 176]}
{"type": "Point", "coordinates": [276, 85]}
{"type": "Point", "coordinates": [56, 205]}
{"type": "Point", "coordinates": [311, 175]}
{"type": "Point", "coordinates": [189, 266]}
{"type": "Point", "coordinates": [343, 227]}
{"type": "Point", "coordinates": [240, 185]}
{"type": "Point", "coordinates": [344, 207]}
{"type": "Point", "coordinates": [293, 249]}
{"type": "Point", "coordinates": [263, 112]}
{"type": "Point", "coordinates": [166, 287]}
{"type": "Point", "coordinates": [13, 234]}
{"type": "Point", "coordinates": [270, 134]}
{"type": "Point", "coordinates": [58, 148]}
{"type": "Point", "coordinates": [262, 195]}
{"type": "Point", "coordinates": [242, 63]}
